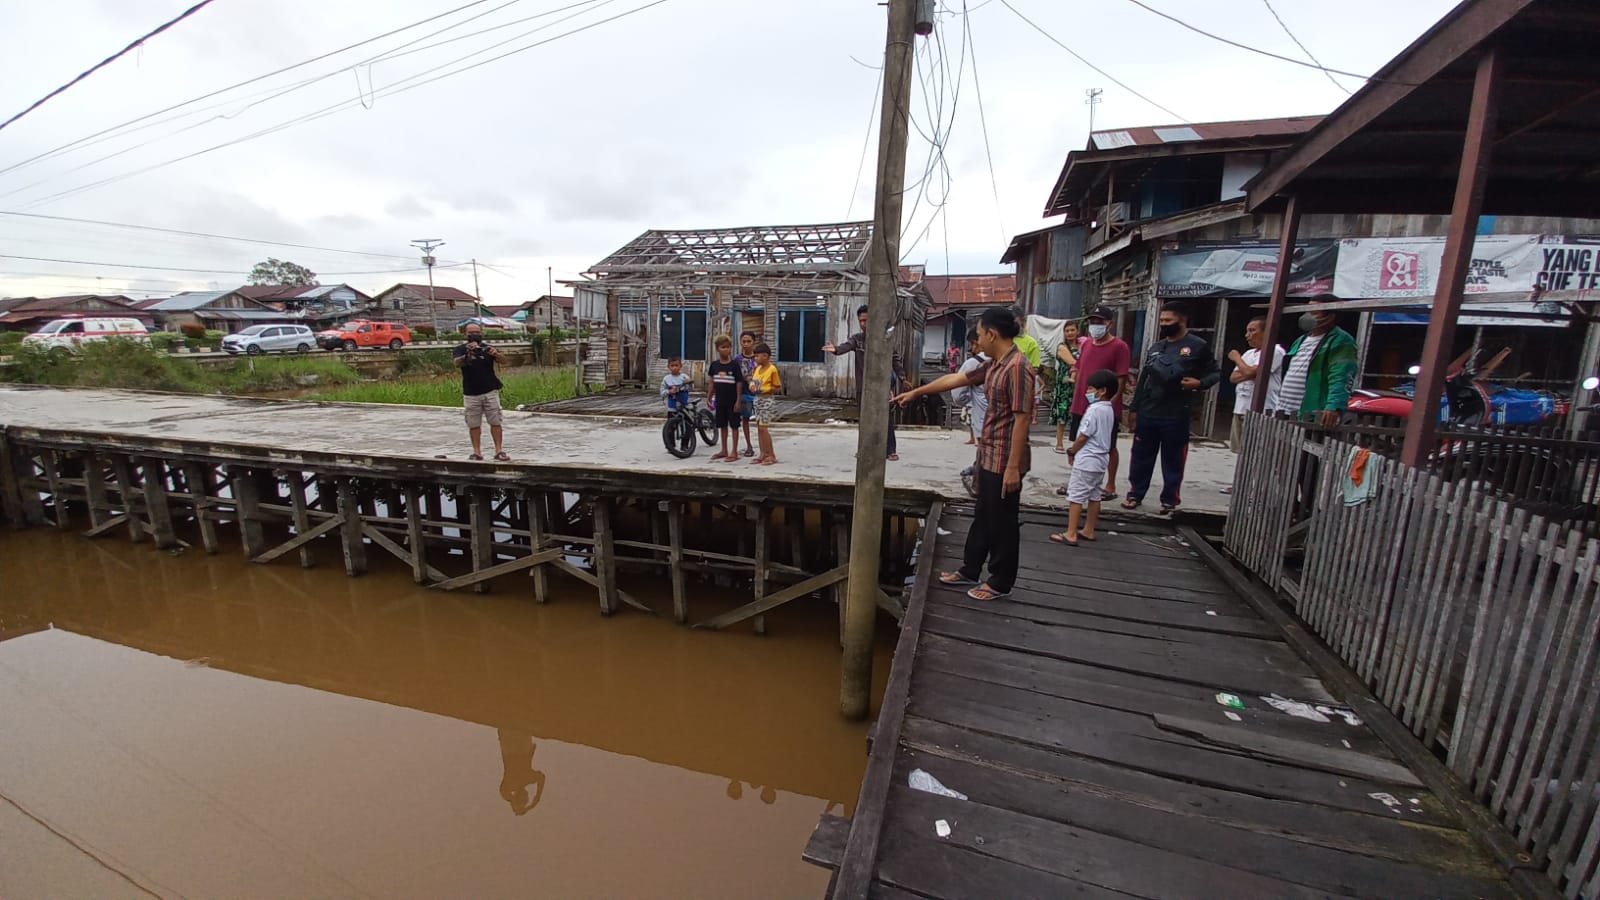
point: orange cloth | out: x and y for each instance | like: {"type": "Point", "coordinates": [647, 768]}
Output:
{"type": "Point", "coordinates": [1358, 466]}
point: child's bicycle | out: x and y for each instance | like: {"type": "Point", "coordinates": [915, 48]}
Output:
{"type": "Point", "coordinates": [682, 423]}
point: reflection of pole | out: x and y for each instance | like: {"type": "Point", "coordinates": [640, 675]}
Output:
{"type": "Point", "coordinates": [861, 603]}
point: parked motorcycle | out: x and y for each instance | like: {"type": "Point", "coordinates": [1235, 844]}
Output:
{"type": "Point", "coordinates": [1469, 398]}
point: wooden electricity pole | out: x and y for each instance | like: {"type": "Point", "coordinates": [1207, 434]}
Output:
{"type": "Point", "coordinates": [861, 603]}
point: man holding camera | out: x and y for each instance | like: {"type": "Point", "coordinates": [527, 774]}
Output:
{"type": "Point", "coordinates": [481, 389]}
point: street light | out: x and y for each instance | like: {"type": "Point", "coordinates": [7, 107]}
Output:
{"type": "Point", "coordinates": [427, 246]}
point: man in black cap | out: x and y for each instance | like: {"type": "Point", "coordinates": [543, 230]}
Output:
{"type": "Point", "coordinates": [1103, 350]}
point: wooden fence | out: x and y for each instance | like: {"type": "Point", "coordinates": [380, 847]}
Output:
{"type": "Point", "coordinates": [1475, 620]}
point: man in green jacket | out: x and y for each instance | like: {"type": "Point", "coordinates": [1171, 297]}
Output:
{"type": "Point", "coordinates": [1322, 368]}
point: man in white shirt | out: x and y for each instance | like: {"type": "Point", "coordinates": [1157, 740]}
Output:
{"type": "Point", "coordinates": [1244, 377]}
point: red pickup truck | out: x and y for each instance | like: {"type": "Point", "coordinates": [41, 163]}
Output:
{"type": "Point", "coordinates": [358, 333]}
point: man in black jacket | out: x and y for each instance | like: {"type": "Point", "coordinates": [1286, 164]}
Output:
{"type": "Point", "coordinates": [1177, 367]}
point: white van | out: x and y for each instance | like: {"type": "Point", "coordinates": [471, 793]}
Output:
{"type": "Point", "coordinates": [69, 333]}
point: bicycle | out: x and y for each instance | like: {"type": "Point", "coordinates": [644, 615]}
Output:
{"type": "Point", "coordinates": [682, 423]}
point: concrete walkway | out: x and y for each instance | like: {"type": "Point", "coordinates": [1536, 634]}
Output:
{"type": "Point", "coordinates": [929, 458]}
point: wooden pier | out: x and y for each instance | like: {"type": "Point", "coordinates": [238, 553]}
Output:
{"type": "Point", "coordinates": [1130, 724]}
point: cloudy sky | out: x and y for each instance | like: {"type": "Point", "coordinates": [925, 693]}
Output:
{"type": "Point", "coordinates": [676, 114]}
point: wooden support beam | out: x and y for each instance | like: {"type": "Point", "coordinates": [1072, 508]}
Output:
{"type": "Point", "coordinates": [773, 601]}
{"type": "Point", "coordinates": [481, 514]}
{"type": "Point", "coordinates": [302, 516]}
{"type": "Point", "coordinates": [111, 523]}
{"type": "Point", "coordinates": [536, 560]}
{"type": "Point", "coordinates": [590, 579]}
{"type": "Point", "coordinates": [794, 518]}
{"type": "Point", "coordinates": [763, 548]}
{"type": "Point", "coordinates": [890, 605]}
{"type": "Point", "coordinates": [841, 538]}
{"type": "Point", "coordinates": [605, 553]}
{"type": "Point", "coordinates": [156, 504]}
{"type": "Point", "coordinates": [416, 545]}
{"type": "Point", "coordinates": [128, 495]}
{"type": "Point", "coordinates": [300, 539]}
{"type": "Point", "coordinates": [355, 552]}
{"type": "Point", "coordinates": [1275, 302]}
{"type": "Point", "coordinates": [201, 493]}
{"type": "Point", "coordinates": [401, 553]}
{"type": "Point", "coordinates": [538, 526]}
{"type": "Point", "coordinates": [94, 490]}
{"type": "Point", "coordinates": [680, 590]}
{"type": "Point", "coordinates": [247, 509]}
{"type": "Point", "coordinates": [51, 463]}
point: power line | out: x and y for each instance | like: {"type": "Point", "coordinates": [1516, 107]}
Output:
{"type": "Point", "coordinates": [1107, 75]}
{"type": "Point", "coordinates": [1303, 48]}
{"type": "Point", "coordinates": [219, 91]}
{"type": "Point", "coordinates": [994, 183]}
{"type": "Point", "coordinates": [118, 265]}
{"type": "Point", "coordinates": [1232, 43]}
{"type": "Point", "coordinates": [108, 60]}
{"type": "Point", "coordinates": [199, 234]}
{"type": "Point", "coordinates": [866, 142]}
{"type": "Point", "coordinates": [337, 107]}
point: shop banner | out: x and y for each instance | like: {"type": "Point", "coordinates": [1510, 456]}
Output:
{"type": "Point", "coordinates": [1373, 268]}
{"type": "Point", "coordinates": [1244, 269]}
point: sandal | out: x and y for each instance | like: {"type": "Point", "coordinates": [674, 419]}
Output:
{"type": "Point", "coordinates": [1060, 537]}
{"type": "Point", "coordinates": [893, 457]}
{"type": "Point", "coordinates": [1061, 450]}
{"type": "Point", "coordinates": [749, 452]}
{"type": "Point", "coordinates": [1167, 510]}
{"type": "Point", "coordinates": [1107, 495]}
{"type": "Point", "coordinates": [1130, 503]}
{"type": "Point", "coordinates": [955, 579]}
{"type": "Point", "coordinates": [475, 456]}
{"type": "Point", "coordinates": [717, 456]}
{"type": "Point", "coordinates": [984, 592]}
{"type": "Point", "coordinates": [503, 456]}
{"type": "Point", "coordinates": [1085, 537]}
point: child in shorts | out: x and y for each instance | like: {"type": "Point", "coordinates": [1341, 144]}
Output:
{"type": "Point", "coordinates": [1090, 455]}
{"type": "Point", "coordinates": [746, 358]}
{"type": "Point", "coordinates": [675, 386]}
{"type": "Point", "coordinates": [765, 382]}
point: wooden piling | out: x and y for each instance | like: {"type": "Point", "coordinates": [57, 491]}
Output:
{"type": "Point", "coordinates": [10, 493]}
{"type": "Point", "coordinates": [156, 505]}
{"type": "Point", "coordinates": [538, 527]}
{"type": "Point", "coordinates": [415, 539]}
{"type": "Point", "coordinates": [605, 556]}
{"type": "Point", "coordinates": [94, 490]}
{"type": "Point", "coordinates": [247, 510]}
{"type": "Point", "coordinates": [763, 549]}
{"type": "Point", "coordinates": [355, 551]}
{"type": "Point", "coordinates": [481, 516]}
{"type": "Point", "coordinates": [680, 590]}
{"type": "Point", "coordinates": [122, 468]}
{"type": "Point", "coordinates": [302, 515]}
{"type": "Point", "coordinates": [50, 461]}
{"type": "Point", "coordinates": [197, 475]}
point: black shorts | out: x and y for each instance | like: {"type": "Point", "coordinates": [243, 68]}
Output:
{"type": "Point", "coordinates": [725, 416]}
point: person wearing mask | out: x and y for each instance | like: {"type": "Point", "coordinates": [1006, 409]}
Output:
{"type": "Point", "coordinates": [1177, 367]}
{"type": "Point", "coordinates": [1321, 370]}
{"type": "Point", "coordinates": [1103, 350]}
{"type": "Point", "coordinates": [480, 390]}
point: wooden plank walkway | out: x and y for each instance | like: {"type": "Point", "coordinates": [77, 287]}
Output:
{"type": "Point", "coordinates": [1081, 721]}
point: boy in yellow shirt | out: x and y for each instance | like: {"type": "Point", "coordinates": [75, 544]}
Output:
{"type": "Point", "coordinates": [765, 382]}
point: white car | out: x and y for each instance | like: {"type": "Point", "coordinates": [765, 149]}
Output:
{"type": "Point", "coordinates": [70, 333]}
{"type": "Point", "coordinates": [269, 338]}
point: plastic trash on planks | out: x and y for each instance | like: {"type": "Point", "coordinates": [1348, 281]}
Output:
{"type": "Point", "coordinates": [922, 781]}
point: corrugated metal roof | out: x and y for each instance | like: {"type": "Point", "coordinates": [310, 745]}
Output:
{"type": "Point", "coordinates": [971, 290]}
{"type": "Point", "coordinates": [187, 301]}
{"type": "Point", "coordinates": [440, 292]}
{"type": "Point", "coordinates": [1152, 135]}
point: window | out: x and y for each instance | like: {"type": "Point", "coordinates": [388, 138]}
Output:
{"type": "Point", "coordinates": [396, 304]}
{"type": "Point", "coordinates": [801, 334]}
{"type": "Point", "coordinates": [683, 333]}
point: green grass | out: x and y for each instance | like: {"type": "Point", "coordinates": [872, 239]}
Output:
{"type": "Point", "coordinates": [125, 364]}
{"type": "Point", "coordinates": [521, 386]}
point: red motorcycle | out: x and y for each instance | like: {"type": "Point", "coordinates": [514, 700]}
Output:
{"type": "Point", "coordinates": [1469, 398]}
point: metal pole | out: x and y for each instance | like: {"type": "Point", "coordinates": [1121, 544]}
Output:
{"type": "Point", "coordinates": [433, 310]}
{"type": "Point", "coordinates": [1280, 292]}
{"type": "Point", "coordinates": [861, 606]}
{"type": "Point", "coordinates": [477, 293]}
{"type": "Point", "coordinates": [1422, 424]}
{"type": "Point", "coordinates": [550, 296]}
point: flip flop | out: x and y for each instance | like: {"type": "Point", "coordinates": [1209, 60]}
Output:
{"type": "Point", "coordinates": [893, 457]}
{"type": "Point", "coordinates": [717, 456]}
{"type": "Point", "coordinates": [1061, 450]}
{"type": "Point", "coordinates": [1060, 537]}
{"type": "Point", "coordinates": [503, 457]}
{"type": "Point", "coordinates": [984, 592]}
{"type": "Point", "coordinates": [1107, 495]}
{"type": "Point", "coordinates": [475, 456]}
{"type": "Point", "coordinates": [1130, 503]}
{"type": "Point", "coordinates": [1167, 510]}
{"type": "Point", "coordinates": [954, 579]}
{"type": "Point", "coordinates": [1085, 537]}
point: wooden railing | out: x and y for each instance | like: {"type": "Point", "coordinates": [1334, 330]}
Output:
{"type": "Point", "coordinates": [1474, 619]}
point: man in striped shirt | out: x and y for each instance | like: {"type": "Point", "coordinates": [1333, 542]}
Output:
{"type": "Point", "coordinates": [1003, 456]}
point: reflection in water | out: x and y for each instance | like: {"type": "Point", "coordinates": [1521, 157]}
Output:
{"type": "Point", "coordinates": [330, 736]}
{"type": "Point", "coordinates": [516, 754]}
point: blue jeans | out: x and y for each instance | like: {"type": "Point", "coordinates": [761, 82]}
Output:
{"type": "Point", "coordinates": [1170, 439]}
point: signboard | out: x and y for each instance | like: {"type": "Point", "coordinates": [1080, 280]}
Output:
{"type": "Point", "coordinates": [1244, 269]}
{"type": "Point", "coordinates": [1371, 268]}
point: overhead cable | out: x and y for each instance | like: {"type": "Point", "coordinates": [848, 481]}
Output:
{"type": "Point", "coordinates": [1107, 75]}
{"type": "Point", "coordinates": [1232, 43]}
{"type": "Point", "coordinates": [199, 234]}
{"type": "Point", "coordinates": [1303, 48]}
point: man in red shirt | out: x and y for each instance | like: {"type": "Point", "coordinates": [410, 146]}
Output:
{"type": "Point", "coordinates": [1003, 456]}
{"type": "Point", "coordinates": [1102, 350]}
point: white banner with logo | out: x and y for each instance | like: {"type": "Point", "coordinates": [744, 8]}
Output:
{"type": "Point", "coordinates": [1371, 268]}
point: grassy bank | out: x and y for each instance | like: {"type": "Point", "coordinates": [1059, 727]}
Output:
{"type": "Point", "coordinates": [521, 386]}
{"type": "Point", "coordinates": [123, 364]}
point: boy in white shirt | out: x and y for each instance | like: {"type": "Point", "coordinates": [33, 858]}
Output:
{"type": "Point", "coordinates": [1090, 456]}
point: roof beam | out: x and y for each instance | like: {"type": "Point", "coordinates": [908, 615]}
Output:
{"type": "Point", "coordinates": [1459, 33]}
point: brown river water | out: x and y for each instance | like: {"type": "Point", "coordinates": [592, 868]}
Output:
{"type": "Point", "coordinates": [189, 725]}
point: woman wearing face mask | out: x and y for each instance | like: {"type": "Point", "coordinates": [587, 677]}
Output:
{"type": "Point", "coordinates": [1322, 368]}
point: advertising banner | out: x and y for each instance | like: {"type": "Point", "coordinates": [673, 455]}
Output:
{"type": "Point", "coordinates": [1371, 268]}
{"type": "Point", "coordinates": [1244, 269]}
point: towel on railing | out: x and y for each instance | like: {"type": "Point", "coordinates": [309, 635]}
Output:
{"type": "Point", "coordinates": [1360, 477]}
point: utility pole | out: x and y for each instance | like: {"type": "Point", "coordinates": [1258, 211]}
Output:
{"type": "Point", "coordinates": [427, 246]}
{"type": "Point", "coordinates": [907, 18]}
{"type": "Point", "coordinates": [1092, 98]}
{"type": "Point", "coordinates": [550, 299]}
{"type": "Point", "coordinates": [475, 291]}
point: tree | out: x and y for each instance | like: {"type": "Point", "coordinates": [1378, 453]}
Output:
{"type": "Point", "coordinates": [282, 271]}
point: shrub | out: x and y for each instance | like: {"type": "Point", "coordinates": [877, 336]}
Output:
{"type": "Point", "coordinates": [425, 362]}
{"type": "Point", "coordinates": [424, 332]}
{"type": "Point", "coordinates": [10, 341]}
{"type": "Point", "coordinates": [35, 365]}
{"type": "Point", "coordinates": [165, 341]}
{"type": "Point", "coordinates": [192, 330]}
